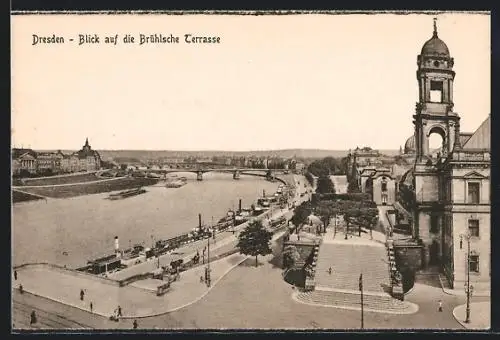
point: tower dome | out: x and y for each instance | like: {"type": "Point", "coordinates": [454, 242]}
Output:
{"type": "Point", "coordinates": [435, 46]}
{"type": "Point", "coordinates": [410, 145]}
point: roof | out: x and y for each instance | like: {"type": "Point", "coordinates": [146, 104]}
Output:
{"type": "Point", "coordinates": [435, 46]}
{"type": "Point", "coordinates": [87, 153]}
{"type": "Point", "coordinates": [481, 139]}
{"type": "Point", "coordinates": [410, 145]}
{"type": "Point", "coordinates": [465, 136]}
{"type": "Point", "coordinates": [18, 152]}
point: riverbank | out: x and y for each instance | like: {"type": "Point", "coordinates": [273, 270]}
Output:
{"type": "Point", "coordinates": [19, 196]}
{"type": "Point", "coordinates": [70, 231]}
{"type": "Point", "coordinates": [88, 187]}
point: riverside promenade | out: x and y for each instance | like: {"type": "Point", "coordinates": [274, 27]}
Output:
{"type": "Point", "coordinates": [138, 299]}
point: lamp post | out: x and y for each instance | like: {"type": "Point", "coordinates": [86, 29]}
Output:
{"type": "Point", "coordinates": [467, 286]}
{"type": "Point", "coordinates": [207, 279]}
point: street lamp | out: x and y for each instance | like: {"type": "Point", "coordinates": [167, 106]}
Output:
{"type": "Point", "coordinates": [207, 269]}
{"type": "Point", "coordinates": [467, 286]}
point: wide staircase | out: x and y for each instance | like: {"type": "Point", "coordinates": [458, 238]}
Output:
{"type": "Point", "coordinates": [350, 300]}
{"type": "Point", "coordinates": [341, 287]}
{"type": "Point", "coordinates": [348, 261]}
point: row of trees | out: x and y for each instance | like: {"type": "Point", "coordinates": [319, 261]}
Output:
{"type": "Point", "coordinates": [357, 213]}
{"type": "Point", "coordinates": [328, 166]}
{"type": "Point", "coordinates": [357, 208]}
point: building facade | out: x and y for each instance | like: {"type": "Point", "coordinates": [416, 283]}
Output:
{"type": "Point", "coordinates": [29, 162]}
{"type": "Point", "coordinates": [447, 190]}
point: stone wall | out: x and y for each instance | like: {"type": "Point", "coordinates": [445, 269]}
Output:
{"type": "Point", "coordinates": [408, 257]}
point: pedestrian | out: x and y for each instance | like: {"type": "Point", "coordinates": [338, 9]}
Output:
{"type": "Point", "coordinates": [15, 275]}
{"type": "Point", "coordinates": [91, 307]}
{"type": "Point", "coordinates": [21, 290]}
{"type": "Point", "coordinates": [330, 270]}
{"type": "Point", "coordinates": [201, 279]}
{"type": "Point", "coordinates": [119, 311]}
{"type": "Point", "coordinates": [82, 294]}
{"type": "Point", "coordinates": [135, 324]}
{"type": "Point", "coordinates": [440, 308]}
{"type": "Point", "coordinates": [33, 318]}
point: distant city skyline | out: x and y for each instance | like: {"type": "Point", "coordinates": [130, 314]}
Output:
{"type": "Point", "coordinates": [317, 82]}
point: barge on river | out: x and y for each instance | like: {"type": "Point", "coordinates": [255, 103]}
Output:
{"type": "Point", "coordinates": [127, 193]}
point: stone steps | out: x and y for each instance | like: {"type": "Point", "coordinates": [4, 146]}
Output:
{"type": "Point", "coordinates": [348, 262]}
{"type": "Point", "coordinates": [353, 300]}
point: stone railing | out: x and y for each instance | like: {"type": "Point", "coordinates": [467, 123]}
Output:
{"type": "Point", "coordinates": [472, 155]}
{"type": "Point", "coordinates": [310, 283]}
{"type": "Point", "coordinates": [71, 272]}
{"type": "Point", "coordinates": [394, 275]}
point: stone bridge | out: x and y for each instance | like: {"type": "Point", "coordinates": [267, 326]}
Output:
{"type": "Point", "coordinates": [270, 173]}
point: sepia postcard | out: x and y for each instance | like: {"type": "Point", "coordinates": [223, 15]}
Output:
{"type": "Point", "coordinates": [233, 171]}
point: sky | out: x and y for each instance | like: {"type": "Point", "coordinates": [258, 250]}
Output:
{"type": "Point", "coordinates": [274, 82]}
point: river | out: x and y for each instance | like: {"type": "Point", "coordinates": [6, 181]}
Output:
{"type": "Point", "coordinates": [73, 230]}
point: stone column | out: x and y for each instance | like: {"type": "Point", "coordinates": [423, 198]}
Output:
{"type": "Point", "coordinates": [457, 145]}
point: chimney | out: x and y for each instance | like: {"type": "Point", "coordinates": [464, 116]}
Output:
{"type": "Point", "coordinates": [199, 220]}
{"type": "Point", "coordinates": [117, 246]}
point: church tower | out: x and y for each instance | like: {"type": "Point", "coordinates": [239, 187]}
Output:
{"type": "Point", "coordinates": [434, 114]}
{"type": "Point", "coordinates": [434, 109]}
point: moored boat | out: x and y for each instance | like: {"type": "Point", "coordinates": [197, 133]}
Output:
{"type": "Point", "coordinates": [126, 193]}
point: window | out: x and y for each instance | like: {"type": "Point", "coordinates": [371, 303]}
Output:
{"type": "Point", "coordinates": [473, 193]}
{"type": "Point", "coordinates": [474, 228]}
{"type": "Point", "coordinates": [436, 91]}
{"type": "Point", "coordinates": [474, 263]}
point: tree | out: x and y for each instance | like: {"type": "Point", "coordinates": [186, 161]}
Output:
{"type": "Point", "coordinates": [326, 210]}
{"type": "Point", "coordinates": [254, 240]}
{"type": "Point", "coordinates": [300, 214]}
{"type": "Point", "coordinates": [290, 256]}
{"type": "Point", "coordinates": [353, 187]}
{"type": "Point", "coordinates": [360, 213]}
{"type": "Point", "coordinates": [325, 185]}
{"type": "Point", "coordinates": [326, 166]}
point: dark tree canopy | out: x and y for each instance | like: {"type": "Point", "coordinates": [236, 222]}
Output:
{"type": "Point", "coordinates": [255, 240]}
{"type": "Point", "coordinates": [301, 213]}
{"type": "Point", "coordinates": [325, 185]}
{"type": "Point", "coordinates": [290, 256]}
{"type": "Point", "coordinates": [327, 166]}
{"type": "Point", "coordinates": [357, 211]}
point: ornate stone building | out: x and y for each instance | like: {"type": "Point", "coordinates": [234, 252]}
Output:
{"type": "Point", "coordinates": [27, 161]}
{"type": "Point", "coordinates": [447, 192]}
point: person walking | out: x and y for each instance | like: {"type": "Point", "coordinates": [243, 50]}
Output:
{"type": "Point", "coordinates": [330, 270]}
{"type": "Point", "coordinates": [82, 294]}
{"type": "Point", "coordinates": [33, 318]}
{"type": "Point", "coordinates": [21, 289]}
{"type": "Point", "coordinates": [15, 275]}
{"type": "Point", "coordinates": [440, 306]}
{"type": "Point", "coordinates": [135, 324]}
{"type": "Point", "coordinates": [91, 307]}
{"type": "Point", "coordinates": [119, 311]}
